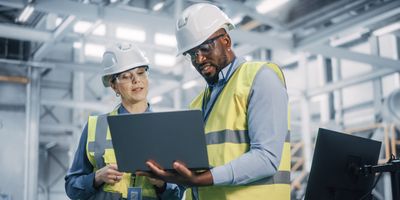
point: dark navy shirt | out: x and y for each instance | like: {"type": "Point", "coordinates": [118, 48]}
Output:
{"type": "Point", "coordinates": [80, 177]}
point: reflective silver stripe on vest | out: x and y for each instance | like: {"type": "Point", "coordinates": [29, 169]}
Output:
{"type": "Point", "coordinates": [108, 145]}
{"type": "Point", "coordinates": [100, 140]}
{"type": "Point", "coordinates": [281, 177]}
{"type": "Point", "coordinates": [227, 136]}
{"type": "Point", "coordinates": [230, 136]}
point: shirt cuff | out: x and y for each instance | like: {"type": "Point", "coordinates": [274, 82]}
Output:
{"type": "Point", "coordinates": [168, 191]}
{"type": "Point", "coordinates": [222, 175]}
{"type": "Point", "coordinates": [88, 181]}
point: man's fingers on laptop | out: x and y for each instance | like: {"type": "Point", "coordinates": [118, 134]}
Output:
{"type": "Point", "coordinates": [143, 173]}
{"type": "Point", "coordinates": [156, 164]}
{"type": "Point", "coordinates": [155, 169]}
{"type": "Point", "coordinates": [182, 169]}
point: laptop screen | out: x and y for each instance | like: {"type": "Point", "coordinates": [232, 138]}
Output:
{"type": "Point", "coordinates": [160, 136]}
{"type": "Point", "coordinates": [333, 172]}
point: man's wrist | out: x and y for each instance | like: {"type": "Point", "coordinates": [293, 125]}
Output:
{"type": "Point", "coordinates": [160, 188]}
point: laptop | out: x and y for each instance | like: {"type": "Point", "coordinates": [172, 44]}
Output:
{"type": "Point", "coordinates": [160, 136]}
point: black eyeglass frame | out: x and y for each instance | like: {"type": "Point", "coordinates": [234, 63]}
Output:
{"type": "Point", "coordinates": [193, 52]}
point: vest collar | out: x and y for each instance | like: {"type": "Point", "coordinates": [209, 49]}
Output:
{"type": "Point", "coordinates": [123, 110]}
{"type": "Point", "coordinates": [227, 71]}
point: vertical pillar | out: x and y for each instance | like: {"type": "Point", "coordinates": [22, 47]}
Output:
{"type": "Point", "coordinates": [78, 94]}
{"type": "Point", "coordinates": [338, 94]}
{"type": "Point", "coordinates": [377, 83]}
{"type": "Point", "coordinates": [32, 135]}
{"type": "Point", "coordinates": [305, 116]}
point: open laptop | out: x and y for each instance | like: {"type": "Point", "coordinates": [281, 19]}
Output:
{"type": "Point", "coordinates": [160, 136]}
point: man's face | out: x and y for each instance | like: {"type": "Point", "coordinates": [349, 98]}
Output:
{"type": "Point", "coordinates": [210, 57]}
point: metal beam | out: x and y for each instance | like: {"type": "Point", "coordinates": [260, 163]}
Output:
{"type": "Point", "coordinates": [341, 53]}
{"type": "Point", "coordinates": [58, 128]}
{"type": "Point", "coordinates": [82, 67]}
{"type": "Point", "coordinates": [14, 79]}
{"type": "Point", "coordinates": [23, 33]}
{"type": "Point", "coordinates": [261, 40]}
{"type": "Point", "coordinates": [264, 19]}
{"type": "Point", "coordinates": [245, 49]}
{"type": "Point", "coordinates": [325, 13]}
{"type": "Point", "coordinates": [380, 14]}
{"type": "Point", "coordinates": [108, 14]}
{"type": "Point", "coordinates": [113, 15]}
{"type": "Point", "coordinates": [87, 105]}
{"type": "Point", "coordinates": [348, 82]}
{"type": "Point", "coordinates": [57, 35]}
{"type": "Point", "coordinates": [32, 135]}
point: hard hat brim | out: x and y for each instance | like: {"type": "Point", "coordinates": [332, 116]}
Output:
{"type": "Point", "coordinates": [228, 27]}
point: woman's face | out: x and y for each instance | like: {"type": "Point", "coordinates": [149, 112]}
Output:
{"type": "Point", "coordinates": [132, 85]}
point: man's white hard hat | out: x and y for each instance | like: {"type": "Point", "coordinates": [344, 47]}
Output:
{"type": "Point", "coordinates": [197, 23]}
{"type": "Point", "coordinates": [119, 58]}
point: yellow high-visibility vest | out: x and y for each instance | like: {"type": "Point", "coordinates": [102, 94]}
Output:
{"type": "Point", "coordinates": [100, 152]}
{"type": "Point", "coordinates": [227, 138]}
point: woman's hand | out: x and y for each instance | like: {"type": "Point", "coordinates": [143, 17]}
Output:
{"type": "Point", "coordinates": [108, 174]}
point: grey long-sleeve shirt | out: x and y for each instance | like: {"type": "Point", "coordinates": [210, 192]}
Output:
{"type": "Point", "coordinates": [267, 128]}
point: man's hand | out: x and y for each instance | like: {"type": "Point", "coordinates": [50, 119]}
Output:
{"type": "Point", "coordinates": [108, 174]}
{"type": "Point", "coordinates": [156, 182]}
{"type": "Point", "coordinates": [184, 176]}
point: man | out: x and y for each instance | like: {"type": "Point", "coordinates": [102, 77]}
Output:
{"type": "Point", "coordinates": [245, 110]}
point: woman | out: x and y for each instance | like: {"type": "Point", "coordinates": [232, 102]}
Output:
{"type": "Point", "coordinates": [94, 173]}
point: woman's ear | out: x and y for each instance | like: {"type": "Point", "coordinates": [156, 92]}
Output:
{"type": "Point", "coordinates": [113, 86]}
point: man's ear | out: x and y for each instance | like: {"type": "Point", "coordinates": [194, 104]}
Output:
{"type": "Point", "coordinates": [227, 41]}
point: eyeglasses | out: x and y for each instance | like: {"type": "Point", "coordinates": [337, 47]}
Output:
{"type": "Point", "coordinates": [205, 48]}
{"type": "Point", "coordinates": [131, 75]}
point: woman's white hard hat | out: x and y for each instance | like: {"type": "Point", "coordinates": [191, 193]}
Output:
{"type": "Point", "coordinates": [119, 58]}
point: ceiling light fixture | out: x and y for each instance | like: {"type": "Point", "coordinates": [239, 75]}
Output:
{"type": "Point", "coordinates": [268, 5]}
{"type": "Point", "coordinates": [26, 13]}
{"type": "Point", "coordinates": [387, 29]}
{"type": "Point", "coordinates": [189, 84]}
{"type": "Point", "coordinates": [158, 6]}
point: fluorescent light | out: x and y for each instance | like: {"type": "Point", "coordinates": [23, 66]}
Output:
{"type": "Point", "coordinates": [165, 39]}
{"type": "Point", "coordinates": [387, 29]}
{"type": "Point", "coordinates": [268, 5]}
{"type": "Point", "coordinates": [77, 45]}
{"type": "Point", "coordinates": [82, 26]}
{"type": "Point", "coordinates": [26, 13]}
{"type": "Point", "coordinates": [156, 99]}
{"type": "Point", "coordinates": [189, 84]}
{"type": "Point", "coordinates": [348, 38]}
{"type": "Point", "coordinates": [164, 59]}
{"type": "Point", "coordinates": [237, 19]}
{"type": "Point", "coordinates": [130, 34]}
{"type": "Point", "coordinates": [100, 30]}
{"type": "Point", "coordinates": [94, 50]}
{"type": "Point", "coordinates": [248, 57]}
{"type": "Point", "coordinates": [158, 6]}
{"type": "Point", "coordinates": [58, 21]}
